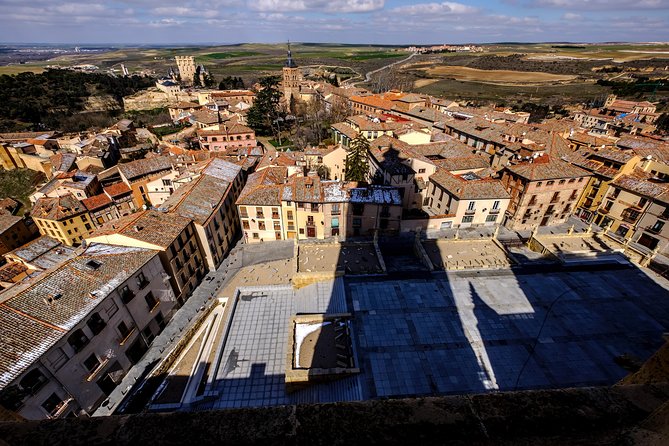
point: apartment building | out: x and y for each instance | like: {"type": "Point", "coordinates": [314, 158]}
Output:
{"type": "Point", "coordinates": [312, 208]}
{"type": "Point", "coordinates": [634, 206]}
{"type": "Point", "coordinates": [227, 136]}
{"type": "Point", "coordinates": [259, 206]}
{"type": "Point", "coordinates": [652, 230]}
{"type": "Point", "coordinates": [209, 200]}
{"type": "Point", "coordinates": [14, 232]}
{"type": "Point", "coordinates": [468, 198]}
{"type": "Point", "coordinates": [544, 192]}
{"type": "Point", "coordinates": [605, 165]}
{"type": "Point", "coordinates": [144, 177]}
{"type": "Point", "coordinates": [373, 209]}
{"type": "Point", "coordinates": [78, 183]}
{"type": "Point", "coordinates": [64, 218]}
{"type": "Point", "coordinates": [68, 343]}
{"type": "Point", "coordinates": [173, 236]}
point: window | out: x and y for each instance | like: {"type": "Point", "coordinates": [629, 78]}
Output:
{"type": "Point", "coordinates": [275, 213]}
{"type": "Point", "coordinates": [78, 340]}
{"type": "Point", "coordinates": [358, 209]}
{"type": "Point", "coordinates": [52, 404]}
{"type": "Point", "coordinates": [539, 184]}
{"type": "Point", "coordinates": [160, 320]}
{"type": "Point", "coordinates": [556, 197]}
{"type": "Point", "coordinates": [260, 213]}
{"type": "Point", "coordinates": [245, 224]}
{"type": "Point", "coordinates": [277, 226]}
{"type": "Point", "coordinates": [289, 214]}
{"type": "Point", "coordinates": [657, 227]}
{"type": "Point", "coordinates": [491, 218]}
{"type": "Point", "coordinates": [87, 226]}
{"type": "Point", "coordinates": [335, 209]}
{"type": "Point", "coordinates": [561, 182]}
{"type": "Point", "coordinates": [92, 363]}
{"type": "Point", "coordinates": [83, 218]}
{"type": "Point", "coordinates": [167, 182]}
{"type": "Point", "coordinates": [467, 219]}
{"type": "Point", "coordinates": [334, 222]}
{"type": "Point", "coordinates": [550, 183]}
{"type": "Point", "coordinates": [33, 381]}
{"type": "Point", "coordinates": [495, 205]}
{"type": "Point", "coordinates": [126, 294]}
{"type": "Point", "coordinates": [261, 225]}
{"type": "Point", "coordinates": [256, 236]}
{"type": "Point", "coordinates": [96, 324]}
{"type": "Point", "coordinates": [242, 212]}
{"type": "Point", "coordinates": [357, 222]}
{"type": "Point", "coordinates": [151, 301]}
{"type": "Point", "coordinates": [421, 170]}
{"type": "Point", "coordinates": [642, 202]}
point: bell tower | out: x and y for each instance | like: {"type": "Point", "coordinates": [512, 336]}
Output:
{"type": "Point", "coordinates": [292, 76]}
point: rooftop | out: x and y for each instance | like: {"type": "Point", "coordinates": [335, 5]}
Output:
{"type": "Point", "coordinates": [159, 229]}
{"type": "Point", "coordinates": [547, 167]}
{"type": "Point", "coordinates": [43, 252]}
{"type": "Point", "coordinates": [36, 315]}
{"type": "Point", "coordinates": [146, 166]}
{"type": "Point", "coordinates": [58, 208]}
{"type": "Point", "coordinates": [469, 186]}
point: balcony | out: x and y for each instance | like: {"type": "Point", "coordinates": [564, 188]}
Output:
{"type": "Point", "coordinates": [335, 211]}
{"type": "Point", "coordinates": [122, 341]}
{"type": "Point", "coordinates": [61, 408]}
{"type": "Point", "coordinates": [97, 370]}
{"type": "Point", "coordinates": [470, 212]}
{"type": "Point", "coordinates": [494, 211]}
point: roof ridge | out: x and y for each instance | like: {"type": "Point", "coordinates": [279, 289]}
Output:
{"type": "Point", "coordinates": [32, 318]}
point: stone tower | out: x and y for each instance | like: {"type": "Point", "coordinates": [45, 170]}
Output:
{"type": "Point", "coordinates": [292, 76]}
{"type": "Point", "coordinates": [186, 65]}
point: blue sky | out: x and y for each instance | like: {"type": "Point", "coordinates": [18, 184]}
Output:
{"type": "Point", "coordinates": [345, 21]}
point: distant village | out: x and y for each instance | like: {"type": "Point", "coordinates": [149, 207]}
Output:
{"type": "Point", "coordinates": [127, 226]}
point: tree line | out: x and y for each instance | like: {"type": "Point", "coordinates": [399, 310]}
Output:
{"type": "Point", "coordinates": [33, 101]}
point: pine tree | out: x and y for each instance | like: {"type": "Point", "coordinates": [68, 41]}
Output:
{"type": "Point", "coordinates": [357, 167]}
{"type": "Point", "coordinates": [266, 115]}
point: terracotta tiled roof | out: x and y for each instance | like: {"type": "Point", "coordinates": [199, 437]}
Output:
{"type": "Point", "coordinates": [643, 184]}
{"type": "Point", "coordinates": [153, 227]}
{"type": "Point", "coordinates": [264, 188]}
{"type": "Point", "coordinates": [117, 190]}
{"type": "Point", "coordinates": [58, 208]}
{"type": "Point", "coordinates": [469, 186]}
{"type": "Point", "coordinates": [146, 166]}
{"type": "Point", "coordinates": [97, 202]}
{"type": "Point", "coordinates": [547, 168]}
{"type": "Point", "coordinates": [32, 323]}
{"type": "Point", "coordinates": [8, 220]}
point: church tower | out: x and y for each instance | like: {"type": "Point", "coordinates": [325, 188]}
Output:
{"type": "Point", "coordinates": [292, 76]}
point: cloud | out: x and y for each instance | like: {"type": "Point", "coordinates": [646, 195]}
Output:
{"type": "Point", "coordinates": [603, 5]}
{"type": "Point", "coordinates": [571, 16]}
{"type": "Point", "coordinates": [344, 6]}
{"type": "Point", "coordinates": [435, 9]}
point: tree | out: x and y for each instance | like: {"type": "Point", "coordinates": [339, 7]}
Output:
{"type": "Point", "coordinates": [209, 80]}
{"type": "Point", "coordinates": [357, 167]}
{"type": "Point", "coordinates": [662, 123]}
{"type": "Point", "coordinates": [266, 116]}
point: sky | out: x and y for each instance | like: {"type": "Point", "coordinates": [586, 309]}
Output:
{"type": "Point", "coordinates": [343, 21]}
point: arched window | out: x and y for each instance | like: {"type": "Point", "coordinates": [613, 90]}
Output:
{"type": "Point", "coordinates": [33, 381]}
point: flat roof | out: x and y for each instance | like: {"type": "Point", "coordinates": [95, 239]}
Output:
{"type": "Point", "coordinates": [451, 333]}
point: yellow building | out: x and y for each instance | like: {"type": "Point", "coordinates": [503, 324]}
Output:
{"type": "Point", "coordinates": [63, 218]}
{"type": "Point", "coordinates": [606, 166]}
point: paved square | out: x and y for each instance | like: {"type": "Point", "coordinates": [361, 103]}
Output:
{"type": "Point", "coordinates": [469, 332]}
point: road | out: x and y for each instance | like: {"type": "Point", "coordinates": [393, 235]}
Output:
{"type": "Point", "coordinates": [368, 76]}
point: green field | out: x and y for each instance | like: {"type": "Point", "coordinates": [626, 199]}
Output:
{"type": "Point", "coordinates": [228, 55]}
